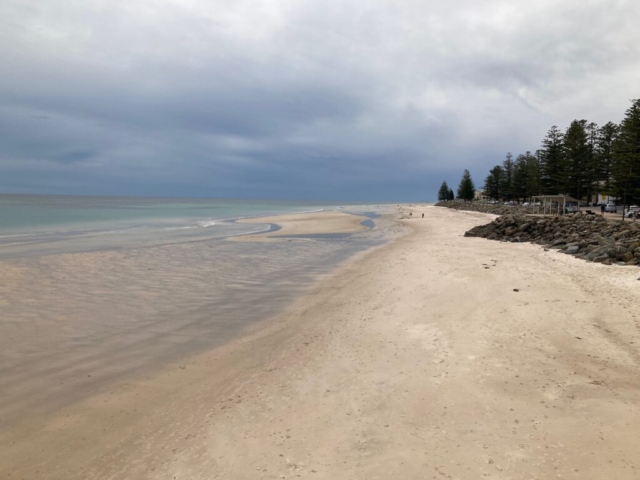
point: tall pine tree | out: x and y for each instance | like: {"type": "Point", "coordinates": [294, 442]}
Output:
{"type": "Point", "coordinates": [507, 180]}
{"type": "Point", "coordinates": [466, 189]}
{"type": "Point", "coordinates": [443, 192]}
{"type": "Point", "coordinates": [576, 155]}
{"type": "Point", "coordinates": [625, 180]}
{"type": "Point", "coordinates": [592, 167]}
{"type": "Point", "coordinates": [493, 182]}
{"type": "Point", "coordinates": [554, 171]}
{"type": "Point", "coordinates": [526, 176]}
{"type": "Point", "coordinates": [604, 155]}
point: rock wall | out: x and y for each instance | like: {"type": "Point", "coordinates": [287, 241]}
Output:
{"type": "Point", "coordinates": [487, 208]}
{"type": "Point", "coordinates": [590, 237]}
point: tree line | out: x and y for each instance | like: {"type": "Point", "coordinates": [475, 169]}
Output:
{"type": "Point", "coordinates": [583, 161]}
{"type": "Point", "coordinates": [466, 189]}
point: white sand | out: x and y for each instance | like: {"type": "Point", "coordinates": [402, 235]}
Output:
{"type": "Point", "coordinates": [418, 360]}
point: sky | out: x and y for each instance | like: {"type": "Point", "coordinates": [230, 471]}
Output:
{"type": "Point", "coordinates": [290, 99]}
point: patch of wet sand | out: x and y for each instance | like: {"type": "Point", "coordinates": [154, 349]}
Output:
{"type": "Point", "coordinates": [306, 224]}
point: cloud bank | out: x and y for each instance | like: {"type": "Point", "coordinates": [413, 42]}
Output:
{"type": "Point", "coordinates": [353, 100]}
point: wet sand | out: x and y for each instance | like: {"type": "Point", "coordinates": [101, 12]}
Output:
{"type": "Point", "coordinates": [73, 323]}
{"type": "Point", "coordinates": [317, 223]}
{"type": "Point", "coordinates": [434, 356]}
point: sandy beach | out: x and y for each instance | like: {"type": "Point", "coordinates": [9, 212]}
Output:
{"type": "Point", "coordinates": [433, 356]}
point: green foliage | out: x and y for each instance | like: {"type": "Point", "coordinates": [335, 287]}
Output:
{"type": "Point", "coordinates": [451, 195]}
{"type": "Point", "coordinates": [592, 166]}
{"type": "Point", "coordinates": [443, 192]}
{"type": "Point", "coordinates": [506, 187]}
{"type": "Point", "coordinates": [625, 171]}
{"type": "Point", "coordinates": [493, 182]}
{"type": "Point", "coordinates": [605, 138]}
{"type": "Point", "coordinates": [553, 167]}
{"type": "Point", "coordinates": [526, 177]}
{"type": "Point", "coordinates": [576, 157]}
{"type": "Point", "coordinates": [580, 162]}
{"type": "Point", "coordinates": [466, 189]}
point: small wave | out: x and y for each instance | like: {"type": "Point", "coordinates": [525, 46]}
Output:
{"type": "Point", "coordinates": [207, 223]}
{"type": "Point", "coordinates": [19, 235]}
{"type": "Point", "coordinates": [180, 228]}
{"type": "Point", "coordinates": [280, 214]}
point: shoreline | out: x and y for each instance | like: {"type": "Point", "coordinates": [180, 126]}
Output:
{"type": "Point", "coordinates": [433, 354]}
{"type": "Point", "coordinates": [111, 316]}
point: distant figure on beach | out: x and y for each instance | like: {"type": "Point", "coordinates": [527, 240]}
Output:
{"type": "Point", "coordinates": [423, 215]}
{"type": "Point", "coordinates": [411, 214]}
{"type": "Point", "coordinates": [602, 209]}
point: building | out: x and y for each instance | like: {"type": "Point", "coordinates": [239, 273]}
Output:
{"type": "Point", "coordinates": [479, 195]}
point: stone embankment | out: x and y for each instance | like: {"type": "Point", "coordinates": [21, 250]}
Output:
{"type": "Point", "coordinates": [488, 208]}
{"type": "Point", "coordinates": [589, 237]}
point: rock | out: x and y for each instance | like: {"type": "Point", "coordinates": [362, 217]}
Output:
{"type": "Point", "coordinates": [617, 252]}
{"type": "Point", "coordinates": [605, 241]}
{"type": "Point", "coordinates": [585, 236]}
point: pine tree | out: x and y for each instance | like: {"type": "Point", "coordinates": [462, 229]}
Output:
{"type": "Point", "coordinates": [576, 155]}
{"type": "Point", "coordinates": [526, 176]}
{"type": "Point", "coordinates": [507, 180]}
{"type": "Point", "coordinates": [625, 182]}
{"type": "Point", "coordinates": [451, 195]}
{"type": "Point", "coordinates": [554, 172]}
{"type": "Point", "coordinates": [466, 189]}
{"type": "Point", "coordinates": [535, 173]}
{"type": "Point", "coordinates": [493, 182]}
{"type": "Point", "coordinates": [604, 155]}
{"type": "Point", "coordinates": [520, 178]}
{"type": "Point", "coordinates": [443, 192]}
{"type": "Point", "coordinates": [593, 166]}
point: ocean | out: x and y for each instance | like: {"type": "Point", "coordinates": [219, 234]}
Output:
{"type": "Point", "coordinates": [47, 224]}
{"type": "Point", "coordinates": [96, 290]}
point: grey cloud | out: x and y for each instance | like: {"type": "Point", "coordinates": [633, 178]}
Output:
{"type": "Point", "coordinates": [350, 100]}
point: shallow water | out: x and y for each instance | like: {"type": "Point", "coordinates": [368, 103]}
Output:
{"type": "Point", "coordinates": [33, 225]}
{"type": "Point", "coordinates": [72, 323]}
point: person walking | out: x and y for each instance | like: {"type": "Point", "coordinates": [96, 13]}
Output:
{"type": "Point", "coordinates": [602, 209]}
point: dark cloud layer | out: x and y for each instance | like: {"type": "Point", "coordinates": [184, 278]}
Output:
{"type": "Point", "coordinates": [376, 100]}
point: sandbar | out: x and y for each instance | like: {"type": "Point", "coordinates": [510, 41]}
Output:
{"type": "Point", "coordinates": [300, 224]}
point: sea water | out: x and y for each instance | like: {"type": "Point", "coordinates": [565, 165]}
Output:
{"type": "Point", "coordinates": [42, 224]}
{"type": "Point", "coordinates": [97, 289]}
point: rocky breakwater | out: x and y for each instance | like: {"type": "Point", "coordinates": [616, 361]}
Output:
{"type": "Point", "coordinates": [487, 207]}
{"type": "Point", "coordinates": [589, 237]}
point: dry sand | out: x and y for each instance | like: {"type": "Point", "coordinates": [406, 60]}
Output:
{"type": "Point", "coordinates": [323, 223]}
{"type": "Point", "coordinates": [435, 356]}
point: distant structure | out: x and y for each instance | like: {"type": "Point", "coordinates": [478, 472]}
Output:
{"type": "Point", "coordinates": [480, 196]}
{"type": "Point", "coordinates": [556, 204]}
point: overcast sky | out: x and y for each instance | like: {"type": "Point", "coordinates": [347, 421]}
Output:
{"type": "Point", "coordinates": [349, 100]}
